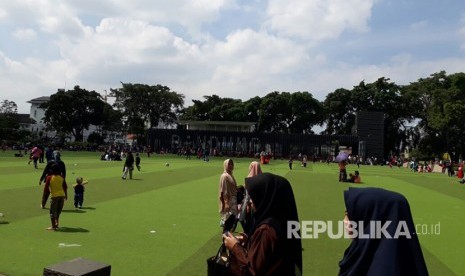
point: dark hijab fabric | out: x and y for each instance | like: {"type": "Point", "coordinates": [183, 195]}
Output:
{"type": "Point", "coordinates": [381, 256]}
{"type": "Point", "coordinates": [275, 205]}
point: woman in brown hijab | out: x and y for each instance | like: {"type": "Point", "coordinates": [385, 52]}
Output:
{"type": "Point", "coordinates": [267, 251]}
{"type": "Point", "coordinates": [227, 196]}
{"type": "Point", "coordinates": [254, 169]}
{"type": "Point", "coordinates": [245, 215]}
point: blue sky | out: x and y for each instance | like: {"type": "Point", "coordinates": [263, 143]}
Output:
{"type": "Point", "coordinates": [232, 48]}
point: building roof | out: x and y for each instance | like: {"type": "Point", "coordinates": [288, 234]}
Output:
{"type": "Point", "coordinates": [39, 100]}
{"type": "Point", "coordinates": [24, 119]}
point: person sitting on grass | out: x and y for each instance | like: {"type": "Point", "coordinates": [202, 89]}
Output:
{"type": "Point", "coordinates": [79, 192]}
{"type": "Point", "coordinates": [355, 178]}
{"type": "Point", "coordinates": [58, 191]}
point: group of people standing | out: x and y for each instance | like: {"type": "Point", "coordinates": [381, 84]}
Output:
{"type": "Point", "coordinates": [55, 187]}
{"type": "Point", "coordinates": [265, 247]}
{"type": "Point", "coordinates": [38, 153]}
{"type": "Point", "coordinates": [268, 203]}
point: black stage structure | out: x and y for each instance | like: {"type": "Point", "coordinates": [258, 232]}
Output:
{"type": "Point", "coordinates": [248, 143]}
{"type": "Point", "coordinates": [367, 140]}
{"type": "Point", "coordinates": [369, 128]}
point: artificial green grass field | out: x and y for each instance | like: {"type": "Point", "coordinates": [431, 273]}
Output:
{"type": "Point", "coordinates": [165, 221]}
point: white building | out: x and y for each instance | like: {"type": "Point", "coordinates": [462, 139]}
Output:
{"type": "Point", "coordinates": [37, 114]}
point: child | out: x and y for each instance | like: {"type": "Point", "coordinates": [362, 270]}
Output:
{"type": "Point", "coordinates": [58, 190]}
{"type": "Point", "coordinates": [79, 192]}
{"type": "Point", "coordinates": [355, 178]}
{"type": "Point", "coordinates": [138, 161]}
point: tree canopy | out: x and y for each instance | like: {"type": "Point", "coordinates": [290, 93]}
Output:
{"type": "Point", "coordinates": [151, 104]}
{"type": "Point", "coordinates": [282, 112]}
{"type": "Point", "coordinates": [438, 104]}
{"type": "Point", "coordinates": [73, 111]}
{"type": "Point", "coordinates": [8, 120]}
{"type": "Point", "coordinates": [427, 114]}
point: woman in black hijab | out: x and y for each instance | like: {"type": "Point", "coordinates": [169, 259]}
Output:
{"type": "Point", "coordinates": [379, 255]}
{"type": "Point", "coordinates": [268, 251]}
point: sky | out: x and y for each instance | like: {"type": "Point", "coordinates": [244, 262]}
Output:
{"type": "Point", "coordinates": [232, 48]}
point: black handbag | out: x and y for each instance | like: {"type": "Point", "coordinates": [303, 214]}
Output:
{"type": "Point", "coordinates": [218, 265]}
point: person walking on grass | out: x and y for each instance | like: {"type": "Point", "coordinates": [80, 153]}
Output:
{"type": "Point", "coordinates": [137, 161]}
{"type": "Point", "coordinates": [79, 192]}
{"type": "Point", "coordinates": [59, 193]}
{"type": "Point", "coordinates": [48, 171]}
{"type": "Point", "coordinates": [35, 153]}
{"type": "Point", "coordinates": [227, 196]}
{"type": "Point", "coordinates": [128, 166]}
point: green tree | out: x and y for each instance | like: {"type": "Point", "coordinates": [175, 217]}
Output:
{"type": "Point", "coordinates": [273, 112]}
{"type": "Point", "coordinates": [72, 111]}
{"type": "Point", "coordinates": [251, 109]}
{"type": "Point", "coordinates": [8, 107]}
{"type": "Point", "coordinates": [306, 112]}
{"type": "Point", "coordinates": [340, 112]}
{"type": "Point", "coordinates": [228, 110]}
{"type": "Point", "coordinates": [8, 120]}
{"type": "Point", "coordinates": [281, 112]}
{"type": "Point", "coordinates": [382, 96]}
{"type": "Point", "coordinates": [8, 115]}
{"type": "Point", "coordinates": [286, 112]}
{"type": "Point", "coordinates": [215, 108]}
{"type": "Point", "coordinates": [143, 104]}
{"type": "Point", "coordinates": [438, 103]}
{"type": "Point", "coordinates": [385, 96]}
{"type": "Point", "coordinates": [112, 119]}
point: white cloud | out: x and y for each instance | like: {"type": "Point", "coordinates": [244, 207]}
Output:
{"type": "Point", "coordinates": [250, 57]}
{"type": "Point", "coordinates": [189, 14]}
{"type": "Point", "coordinates": [24, 34]}
{"type": "Point", "coordinates": [419, 25]}
{"type": "Point", "coordinates": [22, 81]}
{"type": "Point", "coordinates": [3, 14]}
{"type": "Point", "coordinates": [98, 44]}
{"type": "Point", "coordinates": [461, 31]}
{"type": "Point", "coordinates": [317, 20]}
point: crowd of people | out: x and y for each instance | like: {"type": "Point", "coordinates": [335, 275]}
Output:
{"type": "Point", "coordinates": [263, 204]}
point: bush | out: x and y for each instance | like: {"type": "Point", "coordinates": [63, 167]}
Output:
{"type": "Point", "coordinates": [419, 155]}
